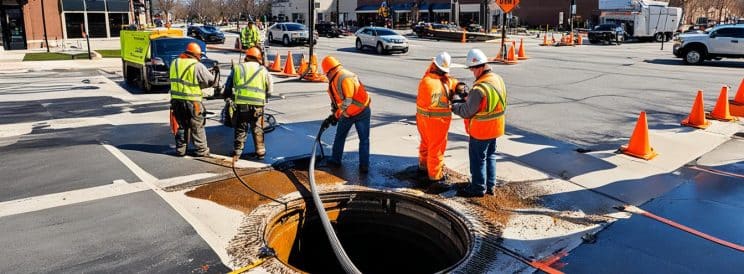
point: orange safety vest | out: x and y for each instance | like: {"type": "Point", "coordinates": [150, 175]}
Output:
{"type": "Point", "coordinates": [433, 95]}
{"type": "Point", "coordinates": [350, 101]}
{"type": "Point", "coordinates": [488, 123]}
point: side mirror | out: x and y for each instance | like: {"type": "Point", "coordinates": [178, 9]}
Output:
{"type": "Point", "coordinates": [713, 35]}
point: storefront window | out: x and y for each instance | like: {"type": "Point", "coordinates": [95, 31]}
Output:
{"type": "Point", "coordinates": [95, 5]}
{"type": "Point", "coordinates": [73, 25]}
{"type": "Point", "coordinates": [97, 25]}
{"type": "Point", "coordinates": [72, 5]}
{"type": "Point", "coordinates": [118, 5]}
{"type": "Point", "coordinates": [116, 22]}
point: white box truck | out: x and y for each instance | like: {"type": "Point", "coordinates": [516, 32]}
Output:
{"type": "Point", "coordinates": [642, 20]}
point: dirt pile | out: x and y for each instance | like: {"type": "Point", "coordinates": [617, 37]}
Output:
{"type": "Point", "coordinates": [273, 183]}
{"type": "Point", "coordinates": [500, 206]}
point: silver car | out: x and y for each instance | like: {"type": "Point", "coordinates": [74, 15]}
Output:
{"type": "Point", "coordinates": [383, 40]}
{"type": "Point", "coordinates": [289, 33]}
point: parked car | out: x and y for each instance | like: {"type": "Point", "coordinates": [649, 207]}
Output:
{"type": "Point", "coordinates": [289, 33]}
{"type": "Point", "coordinates": [328, 29]}
{"type": "Point", "coordinates": [606, 34]}
{"type": "Point", "coordinates": [383, 40]}
{"type": "Point", "coordinates": [208, 34]}
{"type": "Point", "coordinates": [722, 41]}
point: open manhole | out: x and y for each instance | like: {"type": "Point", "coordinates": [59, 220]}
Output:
{"type": "Point", "coordinates": [382, 232]}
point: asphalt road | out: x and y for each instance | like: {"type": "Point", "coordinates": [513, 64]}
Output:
{"type": "Point", "coordinates": [585, 97]}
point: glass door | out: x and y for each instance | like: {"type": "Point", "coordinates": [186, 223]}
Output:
{"type": "Point", "coordinates": [14, 33]}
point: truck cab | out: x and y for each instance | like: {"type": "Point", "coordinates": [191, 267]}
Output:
{"type": "Point", "coordinates": [147, 55]}
{"type": "Point", "coordinates": [722, 41]}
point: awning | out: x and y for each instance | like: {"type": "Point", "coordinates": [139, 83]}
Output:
{"type": "Point", "coordinates": [367, 9]}
{"type": "Point", "coordinates": [436, 7]}
{"type": "Point", "coordinates": [402, 7]}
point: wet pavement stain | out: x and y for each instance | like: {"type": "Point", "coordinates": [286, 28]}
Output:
{"type": "Point", "coordinates": [498, 207]}
{"type": "Point", "coordinates": [273, 183]}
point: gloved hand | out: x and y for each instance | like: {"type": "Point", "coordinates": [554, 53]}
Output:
{"type": "Point", "coordinates": [330, 121]}
{"type": "Point", "coordinates": [461, 88]}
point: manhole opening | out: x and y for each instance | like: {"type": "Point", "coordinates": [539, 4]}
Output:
{"type": "Point", "coordinates": [381, 233]}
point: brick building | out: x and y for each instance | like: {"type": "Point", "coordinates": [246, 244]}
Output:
{"type": "Point", "coordinates": [21, 22]}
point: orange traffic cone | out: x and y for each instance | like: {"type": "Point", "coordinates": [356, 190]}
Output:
{"type": "Point", "coordinates": [522, 55]}
{"type": "Point", "coordinates": [552, 38]}
{"type": "Point", "coordinates": [570, 39]}
{"type": "Point", "coordinates": [696, 118]}
{"type": "Point", "coordinates": [277, 65]}
{"type": "Point", "coordinates": [639, 146]}
{"type": "Point", "coordinates": [289, 69]}
{"type": "Point", "coordinates": [545, 40]}
{"type": "Point", "coordinates": [303, 65]}
{"type": "Point", "coordinates": [499, 56]}
{"type": "Point", "coordinates": [721, 110]}
{"type": "Point", "coordinates": [511, 58]}
{"type": "Point", "coordinates": [464, 38]}
{"type": "Point", "coordinates": [579, 39]}
{"type": "Point", "coordinates": [739, 98]}
{"type": "Point", "coordinates": [314, 75]}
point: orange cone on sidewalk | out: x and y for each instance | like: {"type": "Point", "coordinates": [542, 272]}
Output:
{"type": "Point", "coordinates": [289, 69]}
{"type": "Point", "coordinates": [696, 118]}
{"type": "Point", "coordinates": [464, 38]}
{"type": "Point", "coordinates": [739, 98]}
{"type": "Point", "coordinates": [545, 40]}
{"type": "Point", "coordinates": [303, 65]}
{"type": "Point", "coordinates": [579, 39]}
{"type": "Point", "coordinates": [552, 37]}
{"type": "Point", "coordinates": [313, 75]}
{"type": "Point", "coordinates": [277, 65]}
{"type": "Point", "coordinates": [522, 55]}
{"type": "Point", "coordinates": [721, 110]}
{"type": "Point", "coordinates": [639, 145]}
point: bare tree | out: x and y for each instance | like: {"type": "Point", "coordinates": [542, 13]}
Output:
{"type": "Point", "coordinates": [166, 7]}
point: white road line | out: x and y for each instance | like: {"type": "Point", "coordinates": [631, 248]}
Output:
{"type": "Point", "coordinates": [204, 231]}
{"type": "Point", "coordinates": [118, 188]}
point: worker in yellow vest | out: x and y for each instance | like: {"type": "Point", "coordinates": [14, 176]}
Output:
{"type": "Point", "coordinates": [249, 85]}
{"type": "Point", "coordinates": [188, 77]}
{"type": "Point", "coordinates": [250, 36]}
{"type": "Point", "coordinates": [483, 110]}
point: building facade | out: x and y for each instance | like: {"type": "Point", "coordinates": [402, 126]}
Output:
{"type": "Point", "coordinates": [325, 11]}
{"type": "Point", "coordinates": [22, 23]}
{"type": "Point", "coordinates": [404, 13]}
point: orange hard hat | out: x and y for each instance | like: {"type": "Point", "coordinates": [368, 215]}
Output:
{"type": "Point", "coordinates": [194, 49]}
{"type": "Point", "coordinates": [253, 52]}
{"type": "Point", "coordinates": [329, 63]}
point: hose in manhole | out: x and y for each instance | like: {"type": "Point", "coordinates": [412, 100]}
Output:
{"type": "Point", "coordinates": [382, 232]}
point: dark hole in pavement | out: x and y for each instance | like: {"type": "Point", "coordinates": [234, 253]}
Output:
{"type": "Point", "coordinates": [381, 233]}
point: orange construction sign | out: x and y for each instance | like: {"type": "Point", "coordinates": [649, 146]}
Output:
{"type": "Point", "coordinates": [507, 5]}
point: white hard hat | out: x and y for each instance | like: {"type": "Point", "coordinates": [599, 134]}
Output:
{"type": "Point", "coordinates": [476, 57]}
{"type": "Point", "coordinates": [443, 61]}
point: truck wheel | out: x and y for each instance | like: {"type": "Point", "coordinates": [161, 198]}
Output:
{"type": "Point", "coordinates": [694, 55]}
{"type": "Point", "coordinates": [271, 37]}
{"type": "Point", "coordinates": [124, 73]}
{"type": "Point", "coordinates": [659, 37]}
{"type": "Point", "coordinates": [359, 45]}
{"type": "Point", "coordinates": [285, 41]}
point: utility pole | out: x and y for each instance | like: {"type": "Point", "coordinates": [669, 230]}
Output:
{"type": "Point", "coordinates": [338, 15]}
{"type": "Point", "coordinates": [572, 13]}
{"type": "Point", "coordinates": [43, 23]}
{"type": "Point", "coordinates": [311, 26]}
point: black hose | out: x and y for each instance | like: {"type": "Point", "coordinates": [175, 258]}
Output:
{"type": "Point", "coordinates": [251, 189]}
{"type": "Point", "coordinates": [338, 250]}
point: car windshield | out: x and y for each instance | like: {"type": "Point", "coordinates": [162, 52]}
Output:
{"type": "Point", "coordinates": [295, 27]}
{"type": "Point", "coordinates": [381, 32]}
{"type": "Point", "coordinates": [172, 47]}
{"type": "Point", "coordinates": [209, 29]}
{"type": "Point", "coordinates": [605, 27]}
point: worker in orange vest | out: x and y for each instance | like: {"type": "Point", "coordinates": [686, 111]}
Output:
{"type": "Point", "coordinates": [350, 106]}
{"type": "Point", "coordinates": [433, 116]}
{"type": "Point", "coordinates": [483, 110]}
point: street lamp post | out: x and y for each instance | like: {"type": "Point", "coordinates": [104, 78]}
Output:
{"type": "Point", "coordinates": [43, 23]}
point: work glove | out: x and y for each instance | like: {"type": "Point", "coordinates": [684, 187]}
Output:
{"type": "Point", "coordinates": [330, 121]}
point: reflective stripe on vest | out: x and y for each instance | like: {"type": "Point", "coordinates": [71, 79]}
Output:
{"type": "Point", "coordinates": [183, 82]}
{"type": "Point", "coordinates": [249, 82]}
{"type": "Point", "coordinates": [490, 112]}
{"type": "Point", "coordinates": [434, 112]}
{"type": "Point", "coordinates": [339, 91]}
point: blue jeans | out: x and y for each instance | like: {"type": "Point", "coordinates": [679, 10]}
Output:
{"type": "Point", "coordinates": [482, 165]}
{"type": "Point", "coordinates": [361, 123]}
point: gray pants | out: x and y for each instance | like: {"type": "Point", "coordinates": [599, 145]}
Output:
{"type": "Point", "coordinates": [253, 117]}
{"type": "Point", "coordinates": [190, 125]}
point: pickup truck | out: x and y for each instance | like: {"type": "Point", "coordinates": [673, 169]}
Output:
{"type": "Point", "coordinates": [722, 41]}
{"type": "Point", "coordinates": [606, 34]}
{"type": "Point", "coordinates": [147, 55]}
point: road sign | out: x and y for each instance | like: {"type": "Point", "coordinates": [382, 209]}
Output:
{"type": "Point", "coordinates": [507, 5]}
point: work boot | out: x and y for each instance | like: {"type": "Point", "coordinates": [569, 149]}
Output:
{"type": "Point", "coordinates": [437, 186]}
{"type": "Point", "coordinates": [202, 154]}
{"type": "Point", "coordinates": [466, 194]}
{"type": "Point", "coordinates": [489, 191]}
{"type": "Point", "coordinates": [260, 156]}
